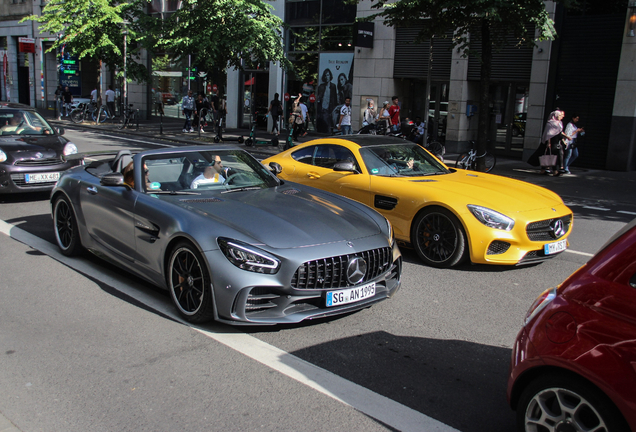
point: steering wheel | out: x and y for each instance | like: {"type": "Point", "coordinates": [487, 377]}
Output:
{"type": "Point", "coordinates": [232, 177]}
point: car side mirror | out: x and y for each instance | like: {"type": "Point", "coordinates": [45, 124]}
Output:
{"type": "Point", "coordinates": [275, 168]}
{"type": "Point", "coordinates": [112, 179]}
{"type": "Point", "coordinates": [345, 166]}
{"type": "Point", "coordinates": [60, 130]}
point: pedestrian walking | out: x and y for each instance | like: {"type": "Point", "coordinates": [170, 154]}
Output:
{"type": "Point", "coordinates": [297, 118]}
{"type": "Point", "coordinates": [187, 107]}
{"type": "Point", "coordinates": [384, 118]}
{"type": "Point", "coordinates": [201, 106]}
{"type": "Point", "coordinates": [67, 96]}
{"type": "Point", "coordinates": [110, 101]}
{"type": "Point", "coordinates": [344, 122]}
{"type": "Point", "coordinates": [370, 114]}
{"type": "Point", "coordinates": [550, 144]}
{"type": "Point", "coordinates": [59, 101]}
{"type": "Point", "coordinates": [275, 110]}
{"type": "Point", "coordinates": [394, 113]}
{"type": "Point", "coordinates": [571, 151]}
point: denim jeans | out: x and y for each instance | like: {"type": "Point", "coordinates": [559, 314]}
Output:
{"type": "Point", "coordinates": [570, 155]}
{"type": "Point", "coordinates": [188, 114]}
{"type": "Point", "coordinates": [346, 129]}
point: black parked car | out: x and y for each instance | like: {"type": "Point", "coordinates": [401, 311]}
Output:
{"type": "Point", "coordinates": [33, 154]}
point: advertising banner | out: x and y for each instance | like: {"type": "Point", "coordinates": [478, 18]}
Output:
{"type": "Point", "coordinates": [335, 74]}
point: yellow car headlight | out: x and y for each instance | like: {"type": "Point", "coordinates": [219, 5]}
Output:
{"type": "Point", "coordinates": [491, 218]}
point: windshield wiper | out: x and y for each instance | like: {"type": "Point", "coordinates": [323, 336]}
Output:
{"type": "Point", "coordinates": [241, 189]}
{"type": "Point", "coordinates": [173, 192]}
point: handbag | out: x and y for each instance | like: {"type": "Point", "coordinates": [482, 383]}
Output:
{"type": "Point", "coordinates": [548, 159]}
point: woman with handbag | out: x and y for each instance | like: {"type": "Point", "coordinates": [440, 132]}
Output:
{"type": "Point", "coordinates": [549, 155]}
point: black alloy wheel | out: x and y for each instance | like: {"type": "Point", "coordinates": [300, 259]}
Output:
{"type": "Point", "coordinates": [438, 238]}
{"type": "Point", "coordinates": [564, 402]}
{"type": "Point", "coordinates": [189, 284]}
{"type": "Point", "coordinates": [66, 229]}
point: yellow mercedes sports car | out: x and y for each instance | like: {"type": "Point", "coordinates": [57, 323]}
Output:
{"type": "Point", "coordinates": [446, 215]}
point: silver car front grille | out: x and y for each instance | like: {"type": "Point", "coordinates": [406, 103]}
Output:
{"type": "Point", "coordinates": [328, 273]}
{"type": "Point", "coordinates": [39, 162]}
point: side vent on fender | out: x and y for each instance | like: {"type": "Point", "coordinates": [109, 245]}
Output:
{"type": "Point", "coordinates": [385, 203]}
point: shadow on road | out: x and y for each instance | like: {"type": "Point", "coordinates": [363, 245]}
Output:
{"type": "Point", "coordinates": [459, 383]}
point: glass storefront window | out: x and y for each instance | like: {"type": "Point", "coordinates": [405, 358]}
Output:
{"type": "Point", "coordinates": [303, 39]}
{"type": "Point", "coordinates": [302, 12]}
{"type": "Point", "coordinates": [338, 11]}
{"type": "Point", "coordinates": [337, 38]}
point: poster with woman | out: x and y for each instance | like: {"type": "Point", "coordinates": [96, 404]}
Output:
{"type": "Point", "coordinates": [335, 74]}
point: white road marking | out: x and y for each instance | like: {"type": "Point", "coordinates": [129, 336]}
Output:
{"type": "Point", "coordinates": [579, 253]}
{"type": "Point", "coordinates": [626, 212]}
{"type": "Point", "coordinates": [596, 208]}
{"type": "Point", "coordinates": [388, 411]}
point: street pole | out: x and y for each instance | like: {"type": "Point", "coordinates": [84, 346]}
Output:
{"type": "Point", "coordinates": [428, 91]}
{"type": "Point", "coordinates": [125, 33]}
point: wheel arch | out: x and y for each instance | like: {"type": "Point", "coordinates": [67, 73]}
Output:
{"type": "Point", "coordinates": [527, 377]}
{"type": "Point", "coordinates": [432, 205]}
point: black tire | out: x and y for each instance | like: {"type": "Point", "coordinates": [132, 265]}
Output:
{"type": "Point", "coordinates": [249, 142]}
{"type": "Point", "coordinates": [77, 115]}
{"type": "Point", "coordinates": [100, 115]}
{"type": "Point", "coordinates": [541, 406]}
{"type": "Point", "coordinates": [439, 238]}
{"type": "Point", "coordinates": [189, 284]}
{"type": "Point", "coordinates": [65, 226]}
{"type": "Point", "coordinates": [240, 140]}
{"type": "Point", "coordinates": [462, 162]}
{"type": "Point", "coordinates": [490, 160]}
{"type": "Point", "coordinates": [216, 139]}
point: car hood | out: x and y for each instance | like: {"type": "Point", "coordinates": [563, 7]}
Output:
{"type": "Point", "coordinates": [34, 143]}
{"type": "Point", "coordinates": [286, 218]}
{"type": "Point", "coordinates": [499, 193]}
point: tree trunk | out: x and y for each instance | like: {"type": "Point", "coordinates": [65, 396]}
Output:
{"type": "Point", "coordinates": [484, 95]}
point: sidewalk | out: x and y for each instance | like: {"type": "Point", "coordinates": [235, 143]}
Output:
{"type": "Point", "coordinates": [595, 187]}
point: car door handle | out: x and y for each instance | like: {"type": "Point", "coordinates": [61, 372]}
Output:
{"type": "Point", "coordinates": [313, 175]}
{"type": "Point", "coordinates": [92, 190]}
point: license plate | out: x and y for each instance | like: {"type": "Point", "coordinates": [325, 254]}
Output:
{"type": "Point", "coordinates": [350, 295]}
{"type": "Point", "coordinates": [552, 248]}
{"type": "Point", "coordinates": [42, 178]}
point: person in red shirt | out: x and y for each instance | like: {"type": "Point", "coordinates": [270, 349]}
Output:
{"type": "Point", "coordinates": [394, 112]}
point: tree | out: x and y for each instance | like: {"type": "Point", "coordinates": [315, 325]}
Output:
{"type": "Point", "coordinates": [93, 28]}
{"type": "Point", "coordinates": [495, 20]}
{"type": "Point", "coordinates": [224, 33]}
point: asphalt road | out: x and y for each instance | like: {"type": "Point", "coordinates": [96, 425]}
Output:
{"type": "Point", "coordinates": [85, 346]}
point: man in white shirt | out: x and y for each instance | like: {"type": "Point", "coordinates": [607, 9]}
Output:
{"type": "Point", "coordinates": [94, 95]}
{"type": "Point", "coordinates": [110, 101]}
{"type": "Point", "coordinates": [345, 117]}
{"type": "Point", "coordinates": [214, 173]}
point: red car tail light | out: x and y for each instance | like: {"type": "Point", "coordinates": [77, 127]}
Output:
{"type": "Point", "coordinates": [540, 303]}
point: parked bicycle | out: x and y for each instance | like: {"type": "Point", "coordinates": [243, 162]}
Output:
{"type": "Point", "coordinates": [86, 111]}
{"type": "Point", "coordinates": [103, 114]}
{"type": "Point", "coordinates": [468, 160]}
{"type": "Point", "coordinates": [129, 118]}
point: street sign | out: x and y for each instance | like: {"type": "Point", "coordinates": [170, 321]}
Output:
{"type": "Point", "coordinates": [208, 88]}
{"type": "Point", "coordinates": [286, 97]}
{"type": "Point", "coordinates": [214, 88]}
{"type": "Point", "coordinates": [312, 98]}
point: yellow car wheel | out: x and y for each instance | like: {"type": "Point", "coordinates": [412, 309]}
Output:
{"type": "Point", "coordinates": [438, 238]}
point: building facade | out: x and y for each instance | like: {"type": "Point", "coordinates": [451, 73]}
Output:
{"type": "Point", "coordinates": [588, 70]}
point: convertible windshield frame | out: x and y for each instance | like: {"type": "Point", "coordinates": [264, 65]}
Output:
{"type": "Point", "coordinates": [400, 160]}
{"type": "Point", "coordinates": [176, 172]}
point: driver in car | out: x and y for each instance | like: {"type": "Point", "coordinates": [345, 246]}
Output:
{"type": "Point", "coordinates": [215, 172]}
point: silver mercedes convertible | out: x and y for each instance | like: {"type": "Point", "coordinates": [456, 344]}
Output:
{"type": "Point", "coordinates": [225, 237]}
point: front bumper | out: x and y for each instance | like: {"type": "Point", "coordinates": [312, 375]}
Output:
{"type": "Point", "coordinates": [13, 177]}
{"type": "Point", "coordinates": [258, 299]}
{"type": "Point", "coordinates": [515, 247]}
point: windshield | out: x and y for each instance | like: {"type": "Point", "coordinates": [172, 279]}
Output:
{"type": "Point", "coordinates": [196, 172]}
{"type": "Point", "coordinates": [21, 122]}
{"type": "Point", "coordinates": [401, 160]}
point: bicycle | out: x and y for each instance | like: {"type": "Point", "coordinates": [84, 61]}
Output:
{"type": "Point", "coordinates": [84, 111]}
{"type": "Point", "coordinates": [103, 114]}
{"type": "Point", "coordinates": [129, 118]}
{"type": "Point", "coordinates": [468, 160]}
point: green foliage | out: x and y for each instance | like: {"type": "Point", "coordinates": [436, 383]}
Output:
{"type": "Point", "coordinates": [222, 33]}
{"type": "Point", "coordinates": [93, 28]}
{"type": "Point", "coordinates": [503, 18]}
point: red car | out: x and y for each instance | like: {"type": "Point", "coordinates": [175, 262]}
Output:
{"type": "Point", "coordinates": [573, 365]}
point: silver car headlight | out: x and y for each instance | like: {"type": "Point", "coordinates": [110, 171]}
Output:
{"type": "Point", "coordinates": [70, 149]}
{"type": "Point", "coordinates": [248, 257]}
{"type": "Point", "coordinates": [491, 218]}
{"type": "Point", "coordinates": [3, 156]}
